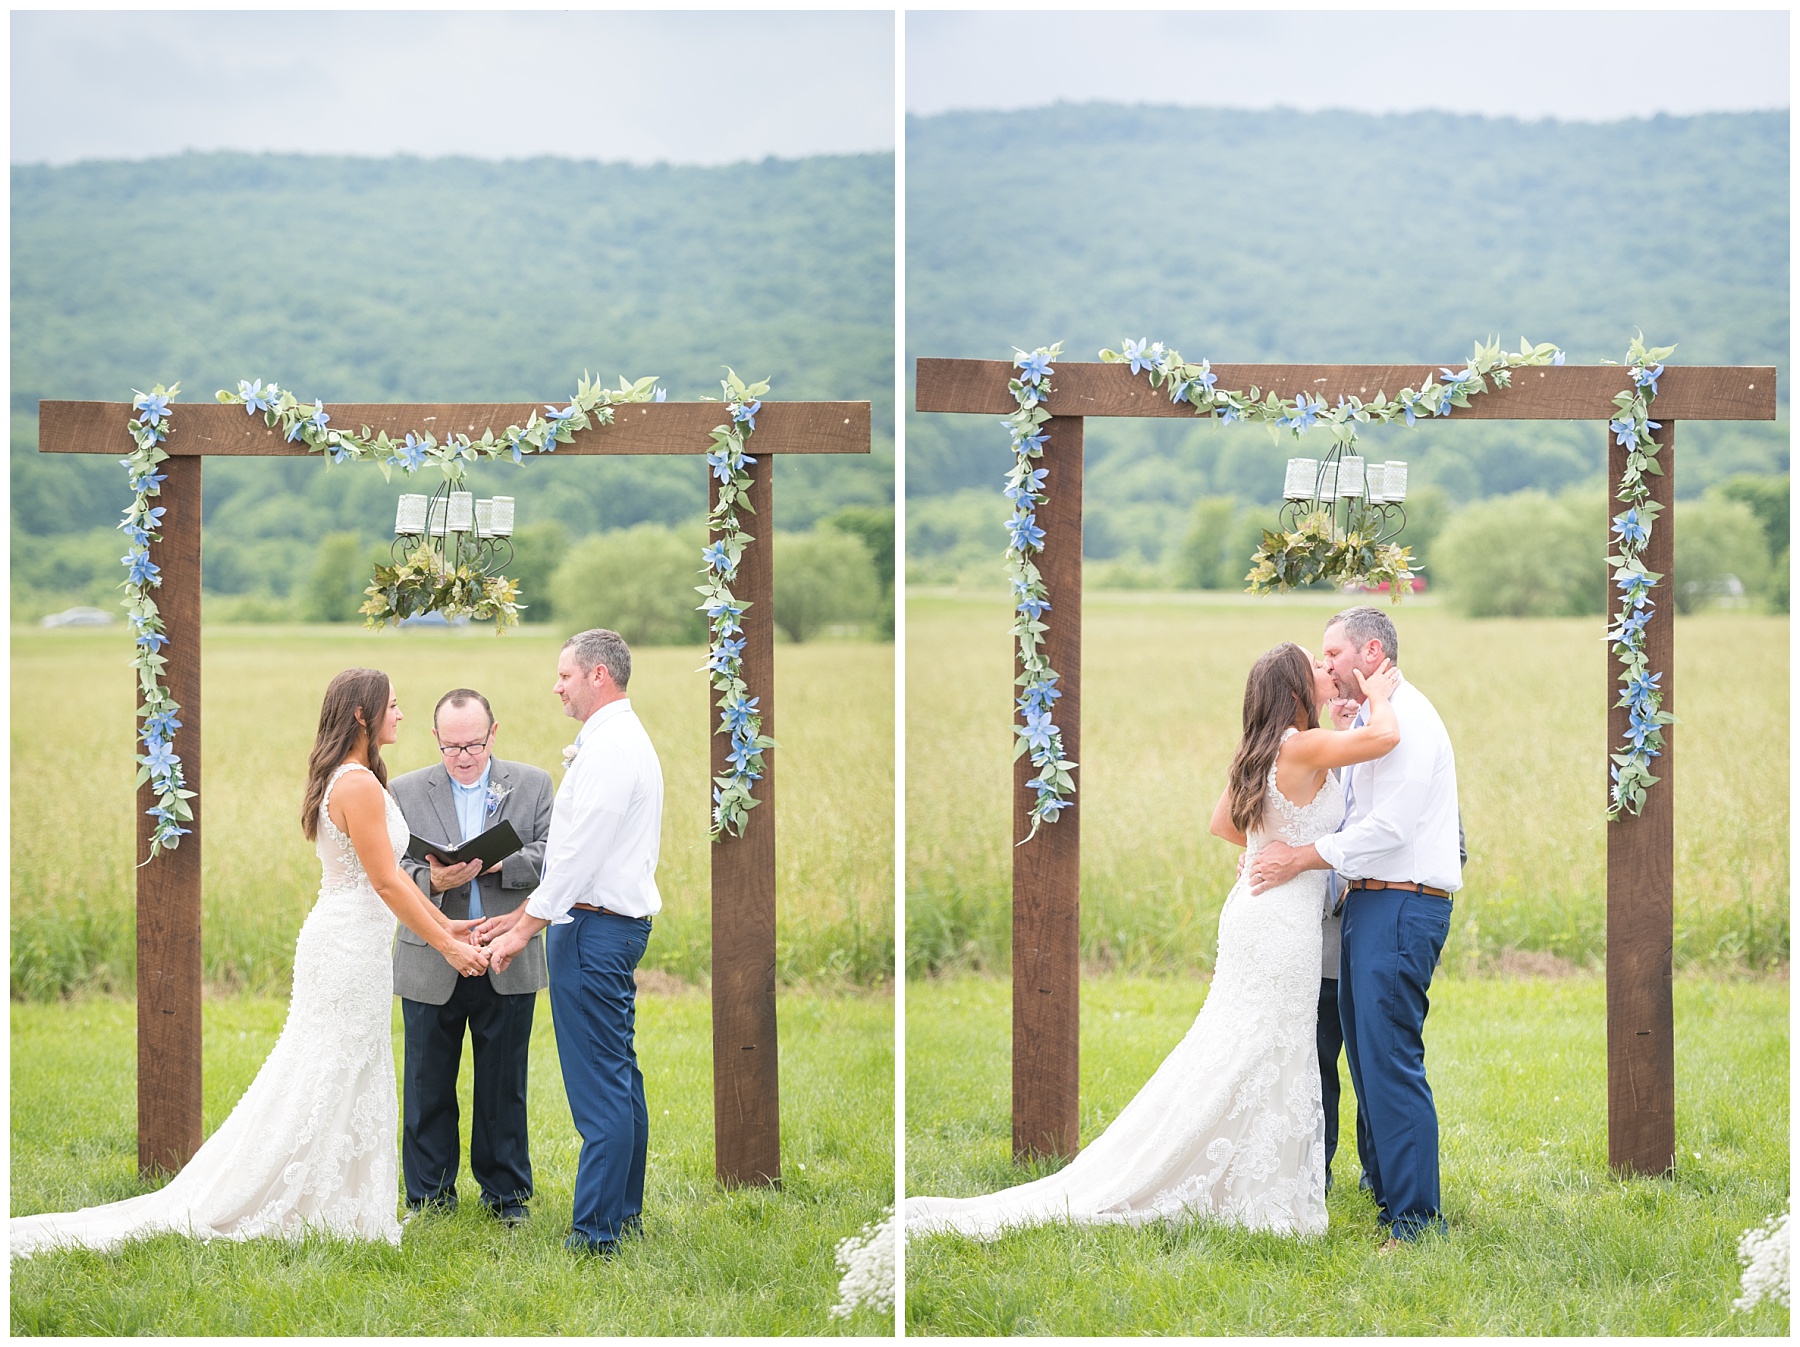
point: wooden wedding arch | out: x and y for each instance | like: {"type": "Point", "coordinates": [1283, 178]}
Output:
{"type": "Point", "coordinates": [746, 1101]}
{"type": "Point", "coordinates": [1640, 850]}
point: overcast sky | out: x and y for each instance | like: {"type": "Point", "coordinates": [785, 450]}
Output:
{"type": "Point", "coordinates": [690, 88]}
{"type": "Point", "coordinates": [1590, 66]}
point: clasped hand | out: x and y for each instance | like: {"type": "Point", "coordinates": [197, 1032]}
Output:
{"type": "Point", "coordinates": [465, 955]}
{"type": "Point", "coordinates": [501, 941]}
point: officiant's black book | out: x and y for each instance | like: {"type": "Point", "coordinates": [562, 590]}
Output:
{"type": "Point", "coordinates": [492, 847]}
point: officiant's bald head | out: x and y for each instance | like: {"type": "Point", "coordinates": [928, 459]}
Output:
{"type": "Point", "coordinates": [463, 725]}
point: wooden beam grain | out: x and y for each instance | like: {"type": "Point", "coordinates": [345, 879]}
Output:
{"type": "Point", "coordinates": [638, 428]}
{"type": "Point", "coordinates": [746, 1061]}
{"type": "Point", "coordinates": [1047, 870]}
{"type": "Point", "coordinates": [168, 888]}
{"type": "Point", "coordinates": [1640, 887]}
{"type": "Point", "coordinates": [1554, 393]}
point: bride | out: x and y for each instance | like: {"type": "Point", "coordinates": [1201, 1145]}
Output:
{"type": "Point", "coordinates": [312, 1143]}
{"type": "Point", "coordinates": [1230, 1125]}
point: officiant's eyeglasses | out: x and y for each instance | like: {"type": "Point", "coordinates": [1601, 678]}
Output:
{"type": "Point", "coordinates": [451, 750]}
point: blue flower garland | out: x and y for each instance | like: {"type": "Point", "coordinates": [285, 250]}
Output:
{"type": "Point", "coordinates": [1312, 551]}
{"type": "Point", "coordinates": [1632, 427]}
{"type": "Point", "coordinates": [159, 765]}
{"type": "Point", "coordinates": [1035, 725]}
{"type": "Point", "coordinates": [418, 579]}
{"type": "Point", "coordinates": [738, 713]}
{"type": "Point", "coordinates": [1197, 385]}
{"type": "Point", "coordinates": [311, 425]}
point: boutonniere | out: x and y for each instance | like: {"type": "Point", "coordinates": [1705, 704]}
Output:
{"type": "Point", "coordinates": [570, 752]}
{"type": "Point", "coordinates": [495, 794]}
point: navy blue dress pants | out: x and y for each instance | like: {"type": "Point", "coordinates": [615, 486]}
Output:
{"type": "Point", "coordinates": [1392, 939]}
{"type": "Point", "coordinates": [1331, 1087]}
{"type": "Point", "coordinates": [499, 1145]}
{"type": "Point", "coordinates": [593, 1002]}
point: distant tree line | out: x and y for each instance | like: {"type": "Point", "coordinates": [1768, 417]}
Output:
{"type": "Point", "coordinates": [1296, 237]}
{"type": "Point", "coordinates": [453, 280]}
{"type": "Point", "coordinates": [1530, 553]}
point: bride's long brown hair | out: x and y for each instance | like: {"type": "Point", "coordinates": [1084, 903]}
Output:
{"type": "Point", "coordinates": [1279, 693]}
{"type": "Point", "coordinates": [354, 690]}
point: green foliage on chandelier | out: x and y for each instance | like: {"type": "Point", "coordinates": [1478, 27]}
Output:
{"type": "Point", "coordinates": [1314, 553]}
{"type": "Point", "coordinates": [422, 583]}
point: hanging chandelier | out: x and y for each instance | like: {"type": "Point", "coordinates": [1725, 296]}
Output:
{"type": "Point", "coordinates": [469, 535]}
{"type": "Point", "coordinates": [1354, 496]}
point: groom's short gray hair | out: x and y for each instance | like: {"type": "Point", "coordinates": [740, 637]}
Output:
{"type": "Point", "coordinates": [600, 646]}
{"type": "Point", "coordinates": [1363, 624]}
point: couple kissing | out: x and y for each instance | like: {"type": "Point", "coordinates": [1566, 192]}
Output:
{"type": "Point", "coordinates": [1343, 793]}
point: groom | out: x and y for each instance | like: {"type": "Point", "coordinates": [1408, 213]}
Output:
{"type": "Point", "coordinates": [1398, 855]}
{"type": "Point", "coordinates": [599, 893]}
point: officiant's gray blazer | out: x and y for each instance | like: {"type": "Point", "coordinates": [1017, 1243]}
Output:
{"type": "Point", "coordinates": [428, 799]}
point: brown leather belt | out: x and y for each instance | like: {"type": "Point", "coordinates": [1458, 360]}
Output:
{"type": "Point", "coordinates": [604, 911]}
{"type": "Point", "coordinates": [1399, 884]}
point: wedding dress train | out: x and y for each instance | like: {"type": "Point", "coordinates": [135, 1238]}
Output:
{"type": "Point", "coordinates": [312, 1145]}
{"type": "Point", "coordinates": [1231, 1124]}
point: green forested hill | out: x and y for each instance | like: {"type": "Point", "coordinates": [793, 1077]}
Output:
{"type": "Point", "coordinates": [444, 280]}
{"type": "Point", "coordinates": [1332, 237]}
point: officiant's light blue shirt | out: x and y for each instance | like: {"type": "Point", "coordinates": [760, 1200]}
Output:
{"type": "Point", "coordinates": [471, 812]}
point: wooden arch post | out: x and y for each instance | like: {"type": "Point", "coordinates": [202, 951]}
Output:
{"type": "Point", "coordinates": [1640, 869]}
{"type": "Point", "coordinates": [746, 1099]}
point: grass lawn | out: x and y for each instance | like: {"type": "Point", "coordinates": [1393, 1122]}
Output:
{"type": "Point", "coordinates": [750, 1261]}
{"type": "Point", "coordinates": [72, 909]}
{"type": "Point", "coordinates": [1525, 701]}
{"type": "Point", "coordinates": [1543, 1240]}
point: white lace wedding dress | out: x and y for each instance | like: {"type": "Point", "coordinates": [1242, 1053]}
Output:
{"type": "Point", "coordinates": [1230, 1126]}
{"type": "Point", "coordinates": [312, 1144]}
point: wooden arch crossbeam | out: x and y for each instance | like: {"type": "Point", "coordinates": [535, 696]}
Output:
{"type": "Point", "coordinates": [746, 1101]}
{"type": "Point", "coordinates": [1640, 851]}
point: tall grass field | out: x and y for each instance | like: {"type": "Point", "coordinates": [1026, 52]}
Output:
{"type": "Point", "coordinates": [1525, 701]}
{"type": "Point", "coordinates": [754, 1261]}
{"type": "Point", "coordinates": [1542, 1238]}
{"type": "Point", "coordinates": [72, 918]}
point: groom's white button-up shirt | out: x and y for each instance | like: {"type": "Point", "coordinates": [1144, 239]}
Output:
{"type": "Point", "coordinates": [606, 826]}
{"type": "Point", "coordinates": [1402, 819]}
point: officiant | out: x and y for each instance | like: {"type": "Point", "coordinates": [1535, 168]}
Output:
{"type": "Point", "coordinates": [467, 792]}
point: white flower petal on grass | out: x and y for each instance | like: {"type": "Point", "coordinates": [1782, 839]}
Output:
{"type": "Point", "coordinates": [1764, 1251]}
{"type": "Point", "coordinates": [868, 1263]}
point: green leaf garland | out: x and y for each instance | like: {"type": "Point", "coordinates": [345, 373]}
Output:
{"type": "Point", "coordinates": [739, 716]}
{"type": "Point", "coordinates": [420, 583]}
